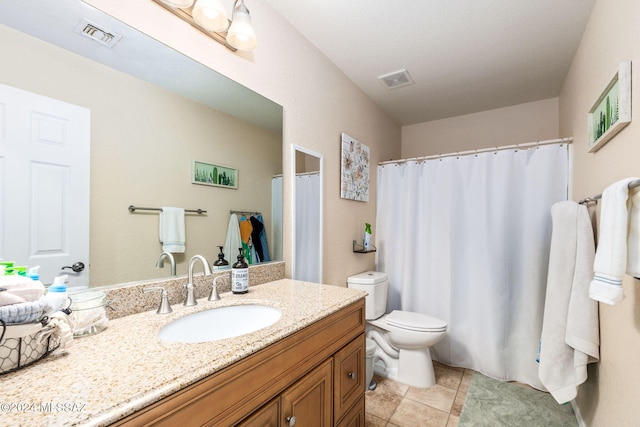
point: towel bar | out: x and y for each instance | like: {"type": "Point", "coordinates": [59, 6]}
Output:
{"type": "Point", "coordinates": [134, 208]}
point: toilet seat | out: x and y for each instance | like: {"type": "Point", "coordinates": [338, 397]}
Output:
{"type": "Point", "coordinates": [415, 321]}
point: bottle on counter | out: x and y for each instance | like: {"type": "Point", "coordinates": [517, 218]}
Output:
{"type": "Point", "coordinates": [240, 275]}
{"type": "Point", "coordinates": [221, 263]}
{"type": "Point", "coordinates": [57, 295]}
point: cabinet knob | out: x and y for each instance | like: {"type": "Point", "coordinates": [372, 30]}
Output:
{"type": "Point", "coordinates": [291, 421]}
{"type": "Point", "coordinates": [352, 375]}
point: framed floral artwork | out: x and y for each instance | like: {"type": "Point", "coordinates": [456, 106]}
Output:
{"type": "Point", "coordinates": [354, 170]}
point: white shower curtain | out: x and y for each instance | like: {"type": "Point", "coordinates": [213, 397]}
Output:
{"type": "Point", "coordinates": [275, 243]}
{"type": "Point", "coordinates": [466, 239]}
{"type": "Point", "coordinates": [307, 244]}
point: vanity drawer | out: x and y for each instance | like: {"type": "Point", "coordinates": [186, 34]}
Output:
{"type": "Point", "coordinates": [348, 376]}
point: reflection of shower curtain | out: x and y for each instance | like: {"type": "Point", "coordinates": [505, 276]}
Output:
{"type": "Point", "coordinates": [307, 244]}
{"type": "Point", "coordinates": [467, 240]}
{"type": "Point", "coordinates": [276, 218]}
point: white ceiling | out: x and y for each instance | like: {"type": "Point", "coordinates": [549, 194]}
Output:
{"type": "Point", "coordinates": [465, 56]}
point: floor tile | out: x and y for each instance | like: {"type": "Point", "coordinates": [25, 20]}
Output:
{"type": "Point", "coordinates": [438, 397]}
{"type": "Point", "coordinates": [381, 403]}
{"type": "Point", "coordinates": [414, 414]}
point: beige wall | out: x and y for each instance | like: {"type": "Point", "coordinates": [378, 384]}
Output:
{"type": "Point", "coordinates": [518, 124]}
{"type": "Point", "coordinates": [143, 140]}
{"type": "Point", "coordinates": [319, 104]}
{"type": "Point", "coordinates": [610, 396]}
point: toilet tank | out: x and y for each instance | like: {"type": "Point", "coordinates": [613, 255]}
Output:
{"type": "Point", "coordinates": [375, 284]}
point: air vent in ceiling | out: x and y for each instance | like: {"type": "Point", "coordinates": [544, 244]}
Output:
{"type": "Point", "coordinates": [101, 35]}
{"type": "Point", "coordinates": [396, 79]}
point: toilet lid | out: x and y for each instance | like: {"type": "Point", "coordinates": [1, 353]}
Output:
{"type": "Point", "coordinates": [415, 321]}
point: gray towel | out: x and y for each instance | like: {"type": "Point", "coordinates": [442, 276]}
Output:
{"type": "Point", "coordinates": [570, 329]}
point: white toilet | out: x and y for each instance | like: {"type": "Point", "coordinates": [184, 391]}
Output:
{"type": "Point", "coordinates": [402, 338]}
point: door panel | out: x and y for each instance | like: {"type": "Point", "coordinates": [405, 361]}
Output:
{"type": "Point", "coordinates": [44, 176]}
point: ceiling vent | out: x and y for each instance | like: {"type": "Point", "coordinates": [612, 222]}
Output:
{"type": "Point", "coordinates": [396, 79]}
{"type": "Point", "coordinates": [101, 35]}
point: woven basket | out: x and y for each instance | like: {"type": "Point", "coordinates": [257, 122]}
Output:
{"type": "Point", "coordinates": [25, 344]}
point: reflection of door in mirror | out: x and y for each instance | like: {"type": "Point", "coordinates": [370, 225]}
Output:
{"type": "Point", "coordinates": [307, 215]}
{"type": "Point", "coordinates": [44, 209]}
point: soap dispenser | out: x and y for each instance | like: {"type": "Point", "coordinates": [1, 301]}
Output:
{"type": "Point", "coordinates": [240, 275]}
{"type": "Point", "coordinates": [56, 295]}
{"type": "Point", "coordinates": [221, 263]}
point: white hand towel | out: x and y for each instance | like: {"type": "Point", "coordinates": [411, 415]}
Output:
{"type": "Point", "coordinates": [611, 256]}
{"type": "Point", "coordinates": [570, 328]}
{"type": "Point", "coordinates": [172, 230]}
{"type": "Point", "coordinates": [633, 239]}
{"type": "Point", "coordinates": [233, 241]}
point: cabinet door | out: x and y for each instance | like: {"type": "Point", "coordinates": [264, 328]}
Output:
{"type": "Point", "coordinates": [310, 400]}
{"type": "Point", "coordinates": [349, 376]}
{"type": "Point", "coordinates": [267, 416]}
{"type": "Point", "coordinates": [355, 417]}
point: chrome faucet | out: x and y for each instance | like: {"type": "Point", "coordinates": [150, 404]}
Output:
{"type": "Point", "coordinates": [191, 298]}
{"type": "Point", "coordinates": [160, 262]}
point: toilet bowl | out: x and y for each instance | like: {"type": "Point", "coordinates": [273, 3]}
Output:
{"type": "Point", "coordinates": [402, 338]}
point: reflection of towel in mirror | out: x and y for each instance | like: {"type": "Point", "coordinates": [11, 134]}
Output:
{"type": "Point", "coordinates": [256, 230]}
{"type": "Point", "coordinates": [263, 241]}
{"type": "Point", "coordinates": [233, 241]}
{"type": "Point", "coordinates": [570, 329]}
{"type": "Point", "coordinates": [19, 289]}
{"type": "Point", "coordinates": [610, 263]}
{"type": "Point", "coordinates": [172, 231]}
{"type": "Point", "coordinates": [245, 234]}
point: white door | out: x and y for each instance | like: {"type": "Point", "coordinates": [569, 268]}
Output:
{"type": "Point", "coordinates": [44, 184]}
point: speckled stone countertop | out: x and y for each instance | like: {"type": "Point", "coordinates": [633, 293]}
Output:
{"type": "Point", "coordinates": [105, 377]}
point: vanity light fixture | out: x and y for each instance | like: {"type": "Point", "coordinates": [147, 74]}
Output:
{"type": "Point", "coordinates": [210, 17]}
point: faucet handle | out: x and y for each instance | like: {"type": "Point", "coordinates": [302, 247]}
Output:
{"type": "Point", "coordinates": [214, 289]}
{"type": "Point", "coordinates": [164, 307]}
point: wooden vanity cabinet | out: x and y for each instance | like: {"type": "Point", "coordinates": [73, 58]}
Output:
{"type": "Point", "coordinates": [315, 375]}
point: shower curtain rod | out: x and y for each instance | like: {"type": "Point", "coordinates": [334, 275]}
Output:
{"type": "Point", "coordinates": [299, 174]}
{"type": "Point", "coordinates": [632, 184]}
{"type": "Point", "coordinates": [482, 150]}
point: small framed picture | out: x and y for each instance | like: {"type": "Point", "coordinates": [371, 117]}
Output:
{"type": "Point", "coordinates": [612, 111]}
{"type": "Point", "coordinates": [215, 175]}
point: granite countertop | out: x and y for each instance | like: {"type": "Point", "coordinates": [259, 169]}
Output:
{"type": "Point", "coordinates": [104, 377]}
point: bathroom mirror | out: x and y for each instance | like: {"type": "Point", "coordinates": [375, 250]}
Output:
{"type": "Point", "coordinates": [306, 203]}
{"type": "Point", "coordinates": [153, 112]}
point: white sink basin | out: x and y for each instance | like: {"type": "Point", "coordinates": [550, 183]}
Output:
{"type": "Point", "coordinates": [220, 323]}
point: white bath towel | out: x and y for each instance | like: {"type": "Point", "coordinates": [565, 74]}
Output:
{"type": "Point", "coordinates": [611, 257]}
{"type": "Point", "coordinates": [633, 237]}
{"type": "Point", "coordinates": [19, 289]}
{"type": "Point", "coordinates": [172, 230]}
{"type": "Point", "coordinates": [233, 241]}
{"type": "Point", "coordinates": [570, 329]}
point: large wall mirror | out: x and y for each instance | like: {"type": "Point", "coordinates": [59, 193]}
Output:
{"type": "Point", "coordinates": [153, 112]}
{"type": "Point", "coordinates": [307, 198]}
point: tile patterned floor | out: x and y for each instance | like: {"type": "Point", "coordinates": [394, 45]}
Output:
{"type": "Point", "coordinates": [393, 404]}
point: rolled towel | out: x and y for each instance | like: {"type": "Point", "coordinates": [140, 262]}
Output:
{"type": "Point", "coordinates": [19, 289]}
{"type": "Point", "coordinates": [611, 256]}
{"type": "Point", "coordinates": [25, 312]}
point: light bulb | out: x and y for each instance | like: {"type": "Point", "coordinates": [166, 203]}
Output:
{"type": "Point", "coordinates": [210, 15]}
